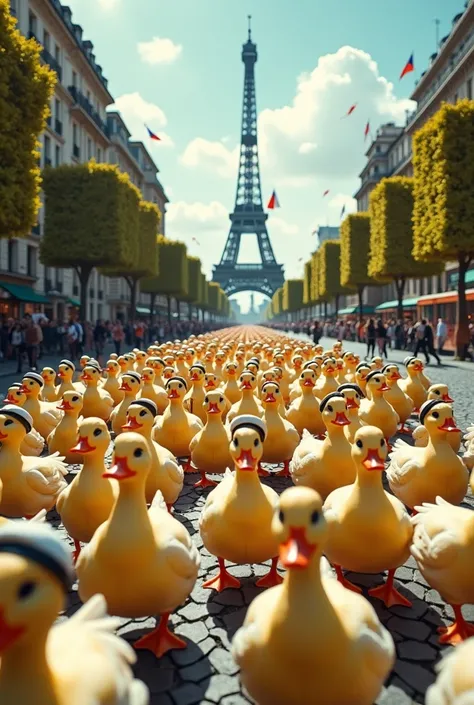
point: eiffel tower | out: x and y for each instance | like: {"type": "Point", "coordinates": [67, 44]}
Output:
{"type": "Point", "coordinates": [248, 216]}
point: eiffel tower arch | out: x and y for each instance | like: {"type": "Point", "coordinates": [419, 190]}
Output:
{"type": "Point", "coordinates": [248, 216]}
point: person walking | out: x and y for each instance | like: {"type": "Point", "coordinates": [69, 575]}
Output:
{"type": "Point", "coordinates": [33, 339]}
{"type": "Point", "coordinates": [420, 345]}
{"type": "Point", "coordinates": [370, 335]}
{"type": "Point", "coordinates": [118, 335]}
{"type": "Point", "coordinates": [100, 335]}
{"type": "Point", "coordinates": [381, 338]}
{"type": "Point", "coordinates": [441, 334]}
{"type": "Point", "coordinates": [17, 339]}
{"type": "Point", "coordinates": [429, 343]}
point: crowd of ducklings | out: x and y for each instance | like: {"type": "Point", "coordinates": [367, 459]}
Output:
{"type": "Point", "coordinates": [227, 404]}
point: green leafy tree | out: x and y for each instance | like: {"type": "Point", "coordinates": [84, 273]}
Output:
{"type": "Point", "coordinates": [194, 282]}
{"type": "Point", "coordinates": [443, 216]}
{"type": "Point", "coordinates": [293, 295]}
{"type": "Point", "coordinates": [213, 296]}
{"type": "Point", "coordinates": [315, 297]}
{"type": "Point", "coordinates": [277, 301]}
{"type": "Point", "coordinates": [203, 295]}
{"type": "Point", "coordinates": [307, 298]}
{"type": "Point", "coordinates": [26, 89]}
{"type": "Point", "coordinates": [355, 249]}
{"type": "Point", "coordinates": [329, 279]}
{"type": "Point", "coordinates": [391, 236]}
{"type": "Point", "coordinates": [91, 220]}
{"type": "Point", "coordinates": [172, 279]}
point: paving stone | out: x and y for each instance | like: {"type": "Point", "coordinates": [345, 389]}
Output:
{"type": "Point", "coordinates": [416, 676]}
{"type": "Point", "coordinates": [221, 636]}
{"type": "Point", "coordinates": [230, 597]}
{"type": "Point", "coordinates": [393, 696]}
{"type": "Point", "coordinates": [197, 672]}
{"type": "Point", "coordinates": [235, 700]}
{"type": "Point", "coordinates": [404, 574]}
{"type": "Point", "coordinates": [234, 620]}
{"type": "Point", "coordinates": [220, 686]}
{"type": "Point", "coordinates": [434, 597]}
{"type": "Point", "coordinates": [188, 694]}
{"type": "Point", "coordinates": [409, 628]}
{"type": "Point", "coordinates": [223, 662]}
{"type": "Point", "coordinates": [416, 651]}
{"type": "Point", "coordinates": [194, 611]}
{"type": "Point", "coordinates": [197, 631]}
{"type": "Point", "coordinates": [417, 610]}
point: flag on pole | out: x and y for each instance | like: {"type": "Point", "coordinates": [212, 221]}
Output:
{"type": "Point", "coordinates": [152, 135]}
{"type": "Point", "coordinates": [326, 192]}
{"type": "Point", "coordinates": [196, 241]}
{"type": "Point", "coordinates": [409, 67]}
{"type": "Point", "coordinates": [367, 130]}
{"type": "Point", "coordinates": [350, 111]}
{"type": "Point", "coordinates": [273, 202]}
{"type": "Point", "coordinates": [343, 211]}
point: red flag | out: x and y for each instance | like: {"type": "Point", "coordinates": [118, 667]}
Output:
{"type": "Point", "coordinates": [351, 109]}
{"type": "Point", "coordinates": [326, 192]}
{"type": "Point", "coordinates": [409, 67]}
{"type": "Point", "coordinates": [367, 129]}
{"type": "Point", "coordinates": [152, 135]}
{"type": "Point", "coordinates": [273, 202]}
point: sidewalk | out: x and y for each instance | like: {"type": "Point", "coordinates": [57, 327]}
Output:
{"type": "Point", "coordinates": [8, 368]}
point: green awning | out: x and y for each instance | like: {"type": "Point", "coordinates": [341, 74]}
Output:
{"type": "Point", "coordinates": [141, 309]}
{"type": "Point", "coordinates": [74, 302]}
{"type": "Point", "coordinates": [24, 293]}
{"type": "Point", "coordinates": [469, 278]}
{"type": "Point", "coordinates": [355, 309]}
{"type": "Point", "coordinates": [407, 303]}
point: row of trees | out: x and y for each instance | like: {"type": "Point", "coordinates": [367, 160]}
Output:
{"type": "Point", "coordinates": [95, 217]}
{"type": "Point", "coordinates": [413, 226]}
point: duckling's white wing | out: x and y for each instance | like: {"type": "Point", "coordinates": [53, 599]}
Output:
{"type": "Point", "coordinates": [183, 557]}
{"type": "Point", "coordinates": [404, 464]}
{"type": "Point", "coordinates": [175, 471]}
{"type": "Point", "coordinates": [441, 548]}
{"type": "Point", "coordinates": [420, 436]}
{"type": "Point", "coordinates": [45, 475]}
{"type": "Point", "coordinates": [378, 647]}
{"type": "Point", "coordinates": [443, 691]}
{"type": "Point", "coordinates": [52, 416]}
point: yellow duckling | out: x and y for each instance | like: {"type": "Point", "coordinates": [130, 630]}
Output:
{"type": "Point", "coordinates": [165, 473]}
{"type": "Point", "coordinates": [130, 385]}
{"type": "Point", "coordinates": [152, 391]}
{"type": "Point", "coordinates": [468, 454]}
{"type": "Point", "coordinates": [376, 363]}
{"type": "Point", "coordinates": [210, 446]}
{"type": "Point", "coordinates": [87, 502]}
{"type": "Point", "coordinates": [240, 361]}
{"type": "Point", "coordinates": [420, 434]}
{"type": "Point", "coordinates": [112, 384]}
{"type": "Point", "coordinates": [29, 484]}
{"type": "Point", "coordinates": [425, 380]}
{"type": "Point", "coordinates": [310, 641]}
{"type": "Point", "coordinates": [96, 401]}
{"type": "Point", "coordinates": [33, 443]}
{"type": "Point", "coordinates": [157, 364]}
{"type": "Point", "coordinates": [168, 373]}
{"type": "Point", "coordinates": [455, 682]}
{"type": "Point", "coordinates": [401, 402]}
{"type": "Point", "coordinates": [45, 415]}
{"type": "Point", "coordinates": [327, 383]}
{"type": "Point", "coordinates": [241, 506]}
{"type": "Point", "coordinates": [35, 577]}
{"type": "Point", "coordinates": [351, 360]}
{"type": "Point", "coordinates": [249, 404]}
{"type": "Point", "coordinates": [219, 362]}
{"type": "Point", "coordinates": [142, 560]}
{"type": "Point", "coordinates": [304, 411]}
{"type": "Point", "coordinates": [363, 369]}
{"type": "Point", "coordinates": [48, 391]}
{"type": "Point", "coordinates": [443, 547]}
{"type": "Point", "coordinates": [181, 366]}
{"type": "Point", "coordinates": [140, 361]}
{"type": "Point", "coordinates": [231, 388]}
{"type": "Point", "coordinates": [340, 378]}
{"type": "Point", "coordinates": [376, 411]}
{"type": "Point", "coordinates": [64, 436]}
{"type": "Point", "coordinates": [296, 367]}
{"type": "Point", "coordinates": [353, 395]}
{"type": "Point", "coordinates": [177, 427]}
{"type": "Point", "coordinates": [355, 511]}
{"type": "Point", "coordinates": [418, 475]}
{"type": "Point", "coordinates": [83, 360]}
{"type": "Point", "coordinates": [282, 438]}
{"type": "Point", "coordinates": [194, 398]}
{"type": "Point", "coordinates": [284, 382]}
{"type": "Point", "coordinates": [412, 385]}
{"type": "Point", "coordinates": [314, 461]}
{"type": "Point", "coordinates": [66, 370]}
{"type": "Point", "coordinates": [295, 387]}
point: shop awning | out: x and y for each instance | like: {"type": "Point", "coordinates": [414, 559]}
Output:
{"type": "Point", "coordinates": [74, 302]}
{"type": "Point", "coordinates": [24, 293]}
{"type": "Point", "coordinates": [454, 277]}
{"type": "Point", "coordinates": [355, 309]}
{"type": "Point", "coordinates": [407, 303]}
{"type": "Point", "coordinates": [141, 309]}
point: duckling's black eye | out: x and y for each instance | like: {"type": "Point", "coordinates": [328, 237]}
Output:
{"type": "Point", "coordinates": [330, 408]}
{"type": "Point", "coordinates": [221, 399]}
{"type": "Point", "coordinates": [143, 413]}
{"type": "Point", "coordinates": [359, 444]}
{"type": "Point", "coordinates": [256, 443]}
{"type": "Point", "coordinates": [382, 443]}
{"type": "Point", "coordinates": [97, 432]}
{"type": "Point", "coordinates": [314, 517]}
{"type": "Point", "coordinates": [137, 453]}
{"type": "Point", "coordinates": [253, 379]}
{"type": "Point", "coordinates": [26, 589]}
{"type": "Point", "coordinates": [8, 422]}
{"type": "Point", "coordinates": [281, 516]}
{"type": "Point", "coordinates": [436, 391]}
{"type": "Point", "coordinates": [435, 415]}
{"type": "Point", "coordinates": [357, 397]}
{"type": "Point", "coordinates": [75, 398]}
{"type": "Point", "coordinates": [206, 400]}
{"type": "Point", "coordinates": [236, 442]}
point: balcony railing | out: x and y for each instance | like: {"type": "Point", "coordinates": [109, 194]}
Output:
{"type": "Point", "coordinates": [88, 108]}
{"type": "Point", "coordinates": [58, 127]}
{"type": "Point", "coordinates": [76, 151]}
{"type": "Point", "coordinates": [52, 63]}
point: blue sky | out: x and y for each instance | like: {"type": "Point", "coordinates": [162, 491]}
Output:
{"type": "Point", "coordinates": [176, 65]}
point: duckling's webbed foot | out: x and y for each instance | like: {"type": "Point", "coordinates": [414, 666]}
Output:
{"type": "Point", "coordinates": [222, 580]}
{"type": "Point", "coordinates": [161, 639]}
{"type": "Point", "coordinates": [389, 594]}
{"type": "Point", "coordinates": [272, 578]}
{"type": "Point", "coordinates": [344, 581]}
{"type": "Point", "coordinates": [204, 481]}
{"type": "Point", "coordinates": [459, 631]}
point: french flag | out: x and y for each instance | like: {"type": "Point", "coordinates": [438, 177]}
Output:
{"type": "Point", "coordinates": [273, 202]}
{"type": "Point", "coordinates": [152, 135]}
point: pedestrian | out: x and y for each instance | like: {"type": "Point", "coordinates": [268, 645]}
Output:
{"type": "Point", "coordinates": [100, 335]}
{"type": "Point", "coordinates": [420, 339]}
{"type": "Point", "coordinates": [370, 332]}
{"type": "Point", "coordinates": [33, 339]}
{"type": "Point", "coordinates": [441, 335]}
{"type": "Point", "coordinates": [17, 339]}
{"type": "Point", "coordinates": [73, 340]}
{"type": "Point", "coordinates": [316, 332]}
{"type": "Point", "coordinates": [118, 336]}
{"type": "Point", "coordinates": [139, 334]}
{"type": "Point", "coordinates": [429, 343]}
{"type": "Point", "coordinates": [381, 338]}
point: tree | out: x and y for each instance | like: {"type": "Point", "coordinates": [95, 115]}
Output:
{"type": "Point", "coordinates": [194, 282]}
{"type": "Point", "coordinates": [443, 216]}
{"type": "Point", "coordinates": [315, 278]}
{"type": "Point", "coordinates": [277, 301]}
{"type": "Point", "coordinates": [203, 295]}
{"type": "Point", "coordinates": [172, 279]}
{"type": "Point", "coordinates": [293, 295]}
{"type": "Point", "coordinates": [27, 87]}
{"type": "Point", "coordinates": [91, 220]}
{"type": "Point", "coordinates": [391, 236]}
{"type": "Point", "coordinates": [213, 289]}
{"type": "Point", "coordinates": [355, 249]}
{"type": "Point", "coordinates": [329, 275]}
{"type": "Point", "coordinates": [146, 262]}
{"type": "Point", "coordinates": [307, 299]}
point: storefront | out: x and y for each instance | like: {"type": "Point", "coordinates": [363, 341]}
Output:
{"type": "Point", "coordinates": [18, 299]}
{"type": "Point", "coordinates": [389, 309]}
{"type": "Point", "coordinates": [444, 306]}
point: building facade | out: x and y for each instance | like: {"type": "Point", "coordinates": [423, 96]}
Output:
{"type": "Point", "coordinates": [79, 129]}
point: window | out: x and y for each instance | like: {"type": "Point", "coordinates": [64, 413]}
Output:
{"type": "Point", "coordinates": [99, 154]}
{"type": "Point", "coordinates": [74, 79]}
{"type": "Point", "coordinates": [12, 256]}
{"type": "Point", "coordinates": [469, 89]}
{"type": "Point", "coordinates": [455, 98]}
{"type": "Point", "coordinates": [57, 155]}
{"type": "Point", "coordinates": [57, 54]}
{"type": "Point", "coordinates": [32, 24]}
{"type": "Point", "coordinates": [57, 109]}
{"type": "Point", "coordinates": [14, 7]}
{"type": "Point", "coordinates": [47, 151]}
{"type": "Point", "coordinates": [31, 261]}
{"type": "Point", "coordinates": [89, 149]}
{"type": "Point", "coordinates": [46, 40]}
{"type": "Point", "coordinates": [88, 96]}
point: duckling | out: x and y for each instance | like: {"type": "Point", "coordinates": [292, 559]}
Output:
{"type": "Point", "coordinates": [168, 373]}
{"type": "Point", "coordinates": [412, 385]}
{"type": "Point", "coordinates": [130, 385]}
{"type": "Point", "coordinates": [353, 395]}
{"type": "Point", "coordinates": [249, 404]}
{"type": "Point", "coordinates": [353, 511]}
{"type": "Point", "coordinates": [210, 447]}
{"type": "Point", "coordinates": [284, 383]}
{"type": "Point", "coordinates": [241, 506]}
{"type": "Point", "coordinates": [219, 362]}
{"type": "Point", "coordinates": [363, 369]}
{"type": "Point", "coordinates": [64, 436]}
{"type": "Point", "coordinates": [87, 502]}
{"type": "Point", "coordinates": [443, 547]}
{"type": "Point", "coordinates": [194, 398]}
{"type": "Point", "coordinates": [468, 454]}
{"type": "Point", "coordinates": [340, 378]}
{"type": "Point", "coordinates": [29, 484]}
{"type": "Point", "coordinates": [152, 391]}
{"type": "Point", "coordinates": [83, 360]}
{"type": "Point", "coordinates": [304, 411]}
{"type": "Point", "coordinates": [282, 438]}
{"type": "Point", "coordinates": [455, 682]}
{"type": "Point", "coordinates": [180, 363]}
{"type": "Point", "coordinates": [66, 371]}
{"type": "Point", "coordinates": [296, 367]}
{"type": "Point", "coordinates": [140, 361]}
{"type": "Point", "coordinates": [376, 411]}
{"type": "Point", "coordinates": [351, 360]}
{"type": "Point", "coordinates": [231, 389]}
{"type": "Point", "coordinates": [420, 434]}
{"type": "Point", "coordinates": [310, 641]}
{"type": "Point", "coordinates": [177, 427]}
{"type": "Point", "coordinates": [33, 443]}
{"type": "Point", "coordinates": [314, 461]}
{"type": "Point", "coordinates": [45, 415]}
{"type": "Point", "coordinates": [157, 364]}
{"type": "Point", "coordinates": [327, 382]}
{"type": "Point", "coordinates": [425, 380]}
{"type": "Point", "coordinates": [165, 473]}
{"type": "Point", "coordinates": [376, 363]}
{"type": "Point", "coordinates": [142, 560]}
{"type": "Point", "coordinates": [401, 402]}
{"type": "Point", "coordinates": [96, 401]}
{"type": "Point", "coordinates": [418, 475]}
{"type": "Point", "coordinates": [48, 390]}
{"type": "Point", "coordinates": [111, 384]}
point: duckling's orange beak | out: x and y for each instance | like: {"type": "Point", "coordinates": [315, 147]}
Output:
{"type": "Point", "coordinates": [124, 387]}
{"type": "Point", "coordinates": [296, 552]}
{"type": "Point", "coordinates": [210, 384]}
{"type": "Point", "coordinates": [213, 408]}
{"type": "Point", "coordinates": [330, 370]}
{"type": "Point", "coordinates": [351, 404]}
{"type": "Point", "coordinates": [119, 470]}
{"type": "Point", "coordinates": [383, 387]}
{"type": "Point", "coordinates": [246, 461]}
{"type": "Point", "coordinates": [194, 377]}
{"type": "Point", "coordinates": [60, 374]}
{"type": "Point", "coordinates": [3, 436]}
{"type": "Point", "coordinates": [231, 371]}
{"type": "Point", "coordinates": [132, 424]}
{"type": "Point", "coordinates": [308, 383]}
{"type": "Point", "coordinates": [449, 425]}
{"type": "Point", "coordinates": [8, 634]}
{"type": "Point", "coordinates": [341, 419]}
{"type": "Point", "coordinates": [83, 446]}
{"type": "Point", "coordinates": [10, 400]}
{"type": "Point", "coordinates": [373, 461]}
{"type": "Point", "coordinates": [25, 390]}
{"type": "Point", "coordinates": [395, 375]}
{"type": "Point", "coordinates": [64, 406]}
{"type": "Point", "coordinates": [246, 385]}
{"type": "Point", "coordinates": [447, 398]}
{"type": "Point", "coordinates": [86, 377]}
{"type": "Point", "coordinates": [269, 398]}
{"type": "Point", "coordinates": [173, 394]}
{"type": "Point", "coordinates": [418, 368]}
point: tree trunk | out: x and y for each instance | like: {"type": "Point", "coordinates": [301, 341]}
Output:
{"type": "Point", "coordinates": [133, 286]}
{"type": "Point", "coordinates": [360, 291]}
{"type": "Point", "coordinates": [400, 285]}
{"type": "Point", "coordinates": [336, 304]}
{"type": "Point", "coordinates": [178, 309]}
{"type": "Point", "coordinates": [152, 308]}
{"type": "Point", "coordinates": [462, 325]}
{"type": "Point", "coordinates": [325, 310]}
{"type": "Point", "coordinates": [84, 272]}
{"type": "Point", "coordinates": [168, 301]}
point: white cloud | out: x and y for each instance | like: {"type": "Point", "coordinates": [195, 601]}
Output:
{"type": "Point", "coordinates": [108, 4]}
{"type": "Point", "coordinates": [138, 112]}
{"type": "Point", "coordinates": [213, 156]}
{"type": "Point", "coordinates": [160, 50]}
